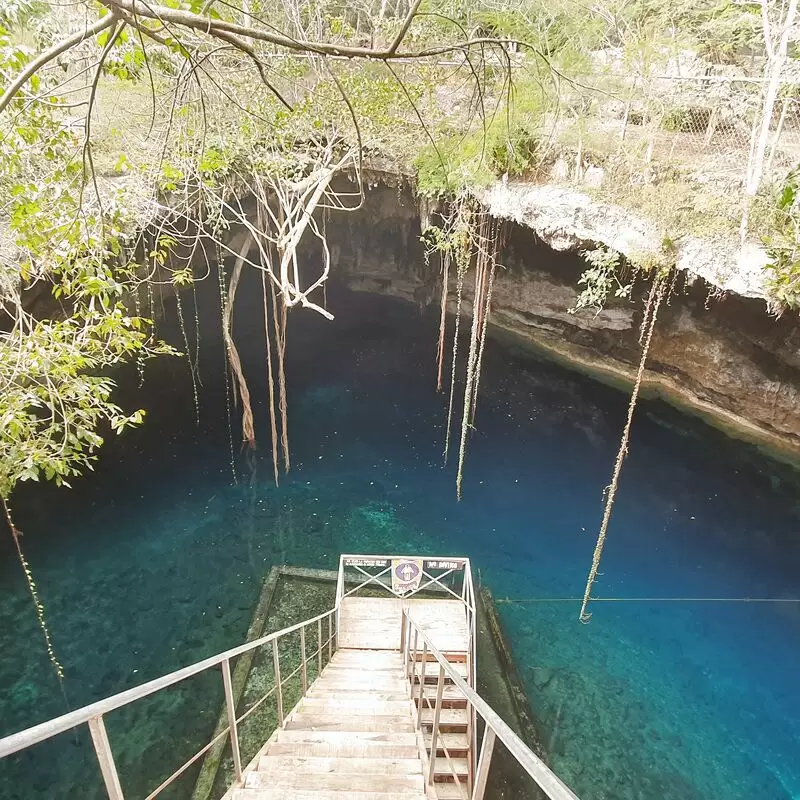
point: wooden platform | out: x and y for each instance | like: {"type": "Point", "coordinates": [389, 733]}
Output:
{"type": "Point", "coordinates": [360, 731]}
{"type": "Point", "coordinates": [352, 736]}
{"type": "Point", "coordinates": [373, 623]}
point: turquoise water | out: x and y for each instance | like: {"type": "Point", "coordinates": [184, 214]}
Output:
{"type": "Point", "coordinates": [156, 559]}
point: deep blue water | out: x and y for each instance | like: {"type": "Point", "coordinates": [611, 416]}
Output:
{"type": "Point", "coordinates": [156, 559]}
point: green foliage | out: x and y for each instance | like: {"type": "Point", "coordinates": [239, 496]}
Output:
{"type": "Point", "coordinates": [56, 399]}
{"type": "Point", "coordinates": [18, 13]}
{"type": "Point", "coordinates": [600, 280]}
{"type": "Point", "coordinates": [723, 31]}
{"type": "Point", "coordinates": [783, 246]}
{"type": "Point", "coordinates": [507, 144]}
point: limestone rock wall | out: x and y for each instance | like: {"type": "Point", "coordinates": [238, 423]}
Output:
{"type": "Point", "coordinates": [719, 355]}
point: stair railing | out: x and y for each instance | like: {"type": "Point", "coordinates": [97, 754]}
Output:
{"type": "Point", "coordinates": [413, 636]}
{"type": "Point", "coordinates": [93, 715]}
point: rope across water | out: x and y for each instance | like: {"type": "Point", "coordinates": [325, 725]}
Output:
{"type": "Point", "coordinates": [509, 600]}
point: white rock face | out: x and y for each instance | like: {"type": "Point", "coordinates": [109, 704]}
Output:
{"type": "Point", "coordinates": [568, 220]}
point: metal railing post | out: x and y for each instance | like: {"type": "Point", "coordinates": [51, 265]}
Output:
{"type": "Point", "coordinates": [435, 731]}
{"type": "Point", "coordinates": [105, 758]}
{"type": "Point", "coordinates": [319, 647]}
{"type": "Point", "coordinates": [421, 684]}
{"type": "Point", "coordinates": [414, 659]}
{"type": "Point", "coordinates": [276, 660]}
{"type": "Point", "coordinates": [482, 775]}
{"type": "Point", "coordinates": [304, 666]}
{"type": "Point", "coordinates": [231, 706]}
{"type": "Point", "coordinates": [403, 631]}
{"type": "Point", "coordinates": [330, 637]}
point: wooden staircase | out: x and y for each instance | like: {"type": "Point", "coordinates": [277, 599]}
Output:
{"type": "Point", "coordinates": [355, 736]}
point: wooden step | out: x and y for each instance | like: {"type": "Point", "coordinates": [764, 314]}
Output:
{"type": "Point", "coordinates": [452, 656]}
{"type": "Point", "coordinates": [379, 670]}
{"type": "Point", "coordinates": [348, 738]}
{"type": "Point", "coordinates": [347, 654]}
{"type": "Point", "coordinates": [450, 719]}
{"type": "Point", "coordinates": [348, 675]}
{"type": "Point", "coordinates": [457, 743]}
{"type": "Point", "coordinates": [451, 696]}
{"type": "Point", "coordinates": [346, 749]}
{"type": "Point", "coordinates": [432, 673]}
{"type": "Point", "coordinates": [325, 689]}
{"type": "Point", "coordinates": [365, 723]}
{"type": "Point", "coordinates": [359, 704]}
{"type": "Point", "coordinates": [337, 782]}
{"type": "Point", "coordinates": [358, 682]}
{"type": "Point", "coordinates": [449, 791]}
{"type": "Point", "coordinates": [391, 766]}
{"type": "Point", "coordinates": [443, 771]}
{"type": "Point", "coordinates": [288, 793]}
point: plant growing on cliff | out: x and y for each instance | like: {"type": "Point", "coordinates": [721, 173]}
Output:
{"type": "Point", "coordinates": [600, 280]}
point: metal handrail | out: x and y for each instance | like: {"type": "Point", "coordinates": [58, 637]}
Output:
{"type": "Point", "coordinates": [46, 730]}
{"type": "Point", "coordinates": [553, 787]}
{"type": "Point", "coordinates": [93, 714]}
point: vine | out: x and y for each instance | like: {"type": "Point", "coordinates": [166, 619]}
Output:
{"type": "Point", "coordinates": [223, 304]}
{"type": "Point", "coordinates": [40, 615]}
{"type": "Point", "coordinates": [484, 244]}
{"type": "Point", "coordinates": [190, 362]}
{"type": "Point", "coordinates": [657, 292]}
{"type": "Point", "coordinates": [466, 236]}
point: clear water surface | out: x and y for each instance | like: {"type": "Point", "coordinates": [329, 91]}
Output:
{"type": "Point", "coordinates": [156, 559]}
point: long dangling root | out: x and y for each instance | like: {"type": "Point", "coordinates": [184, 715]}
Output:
{"type": "Point", "coordinates": [492, 249]}
{"type": "Point", "coordinates": [196, 335]}
{"type": "Point", "coordinates": [648, 310]}
{"type": "Point", "coordinates": [222, 304]}
{"type": "Point", "coordinates": [51, 654]}
{"type": "Point", "coordinates": [279, 314]}
{"type": "Point", "coordinates": [442, 319]}
{"type": "Point", "coordinates": [486, 248]}
{"type": "Point", "coordinates": [248, 432]}
{"type": "Point", "coordinates": [139, 358]}
{"type": "Point", "coordinates": [462, 264]}
{"type": "Point", "coordinates": [270, 381]}
{"type": "Point", "coordinates": [469, 383]}
{"type": "Point", "coordinates": [656, 296]}
{"type": "Point", "coordinates": [189, 360]}
{"type": "Point", "coordinates": [484, 326]}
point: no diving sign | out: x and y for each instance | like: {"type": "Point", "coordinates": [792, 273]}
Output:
{"type": "Point", "coordinates": [406, 575]}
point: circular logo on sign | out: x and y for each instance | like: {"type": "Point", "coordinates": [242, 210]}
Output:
{"type": "Point", "coordinates": [406, 571]}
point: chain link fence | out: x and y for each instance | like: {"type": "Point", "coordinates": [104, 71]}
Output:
{"type": "Point", "coordinates": [706, 125]}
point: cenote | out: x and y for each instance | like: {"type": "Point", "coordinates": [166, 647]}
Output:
{"type": "Point", "coordinates": [156, 559]}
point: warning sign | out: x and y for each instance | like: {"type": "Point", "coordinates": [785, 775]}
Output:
{"type": "Point", "coordinates": [406, 575]}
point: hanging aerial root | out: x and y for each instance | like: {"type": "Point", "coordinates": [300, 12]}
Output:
{"type": "Point", "coordinates": [462, 255]}
{"type": "Point", "coordinates": [196, 335]}
{"type": "Point", "coordinates": [248, 431]}
{"type": "Point", "coordinates": [51, 654]}
{"type": "Point", "coordinates": [657, 292]}
{"type": "Point", "coordinates": [270, 381]}
{"type": "Point", "coordinates": [279, 313]}
{"type": "Point", "coordinates": [483, 266]}
{"type": "Point", "coordinates": [222, 304]}
{"type": "Point", "coordinates": [442, 319]}
{"type": "Point", "coordinates": [189, 361]}
{"type": "Point", "coordinates": [492, 249]}
{"type": "Point", "coordinates": [139, 358]}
